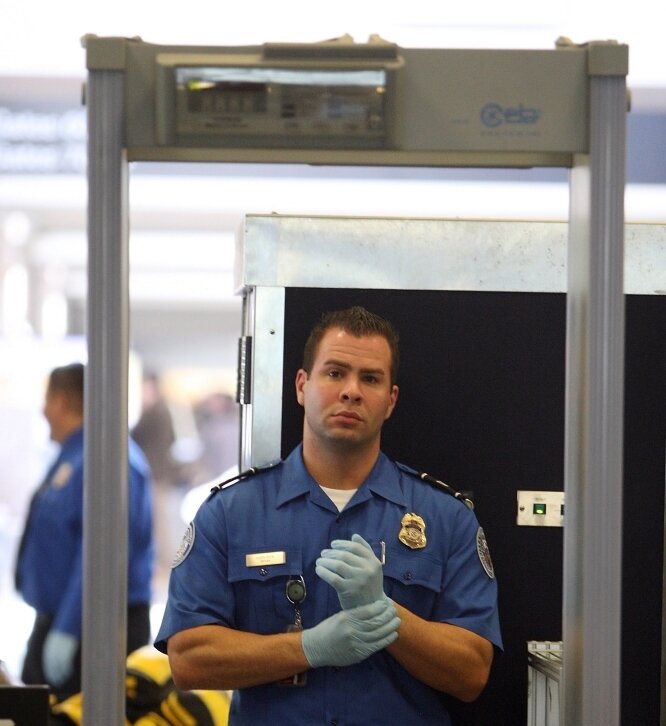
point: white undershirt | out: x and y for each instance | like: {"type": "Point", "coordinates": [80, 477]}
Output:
{"type": "Point", "coordinates": [339, 497]}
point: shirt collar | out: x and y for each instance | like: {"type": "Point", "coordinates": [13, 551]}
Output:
{"type": "Point", "coordinates": [295, 479]}
{"type": "Point", "coordinates": [384, 480]}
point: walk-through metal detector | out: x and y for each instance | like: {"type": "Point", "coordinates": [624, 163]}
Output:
{"type": "Point", "coordinates": [372, 104]}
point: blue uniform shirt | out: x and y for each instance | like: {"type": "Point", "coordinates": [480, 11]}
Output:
{"type": "Point", "coordinates": [283, 510]}
{"type": "Point", "coordinates": [50, 563]}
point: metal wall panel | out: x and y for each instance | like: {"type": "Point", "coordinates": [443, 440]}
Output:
{"type": "Point", "coordinates": [428, 254]}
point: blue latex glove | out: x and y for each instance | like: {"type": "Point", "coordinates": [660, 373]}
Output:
{"type": "Point", "coordinates": [58, 657]}
{"type": "Point", "coordinates": [350, 636]}
{"type": "Point", "coordinates": [351, 568]}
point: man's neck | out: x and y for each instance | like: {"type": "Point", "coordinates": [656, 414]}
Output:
{"type": "Point", "coordinates": [343, 468]}
{"type": "Point", "coordinates": [68, 429]}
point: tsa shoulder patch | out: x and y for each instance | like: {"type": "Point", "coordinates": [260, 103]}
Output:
{"type": "Point", "coordinates": [484, 553]}
{"type": "Point", "coordinates": [185, 546]}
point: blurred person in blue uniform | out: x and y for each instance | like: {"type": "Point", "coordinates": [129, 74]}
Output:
{"type": "Point", "coordinates": [49, 562]}
{"type": "Point", "coordinates": [335, 587]}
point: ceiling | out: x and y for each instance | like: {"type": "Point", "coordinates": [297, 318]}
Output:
{"type": "Point", "coordinates": [52, 45]}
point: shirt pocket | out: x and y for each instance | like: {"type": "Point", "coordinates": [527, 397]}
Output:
{"type": "Point", "coordinates": [261, 603]}
{"type": "Point", "coordinates": [413, 579]}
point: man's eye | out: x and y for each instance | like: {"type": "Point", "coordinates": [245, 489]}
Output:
{"type": "Point", "coordinates": [371, 379]}
{"type": "Point", "coordinates": [334, 374]}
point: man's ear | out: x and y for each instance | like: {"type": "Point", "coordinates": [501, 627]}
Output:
{"type": "Point", "coordinates": [60, 400]}
{"type": "Point", "coordinates": [301, 380]}
{"type": "Point", "coordinates": [394, 399]}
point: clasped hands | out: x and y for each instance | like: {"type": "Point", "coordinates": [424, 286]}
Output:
{"type": "Point", "coordinates": [368, 621]}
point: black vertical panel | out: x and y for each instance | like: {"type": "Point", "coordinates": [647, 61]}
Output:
{"type": "Point", "coordinates": [643, 520]}
{"type": "Point", "coordinates": [481, 406]}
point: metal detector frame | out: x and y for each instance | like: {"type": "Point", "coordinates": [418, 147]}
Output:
{"type": "Point", "coordinates": [580, 96]}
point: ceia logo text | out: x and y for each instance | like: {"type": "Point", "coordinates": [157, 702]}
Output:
{"type": "Point", "coordinates": [494, 115]}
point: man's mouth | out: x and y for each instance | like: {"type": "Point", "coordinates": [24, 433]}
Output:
{"type": "Point", "coordinates": [351, 415]}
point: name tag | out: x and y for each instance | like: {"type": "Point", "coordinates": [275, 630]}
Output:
{"type": "Point", "coordinates": [259, 559]}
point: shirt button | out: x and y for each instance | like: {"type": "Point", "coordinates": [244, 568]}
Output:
{"type": "Point", "coordinates": [334, 722]}
{"type": "Point", "coordinates": [407, 575]}
{"type": "Point", "coordinates": [263, 572]}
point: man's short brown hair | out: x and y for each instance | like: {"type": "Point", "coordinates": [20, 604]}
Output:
{"type": "Point", "coordinates": [69, 379]}
{"type": "Point", "coordinates": [356, 321]}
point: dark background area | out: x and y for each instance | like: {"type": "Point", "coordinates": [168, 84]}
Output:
{"type": "Point", "coordinates": [482, 407]}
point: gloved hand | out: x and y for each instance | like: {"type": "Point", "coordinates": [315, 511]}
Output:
{"type": "Point", "coordinates": [350, 636]}
{"type": "Point", "coordinates": [351, 568]}
{"type": "Point", "coordinates": [58, 657]}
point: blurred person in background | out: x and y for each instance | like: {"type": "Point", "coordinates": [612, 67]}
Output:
{"type": "Point", "coordinates": [48, 571]}
{"type": "Point", "coordinates": [155, 434]}
{"type": "Point", "coordinates": [217, 418]}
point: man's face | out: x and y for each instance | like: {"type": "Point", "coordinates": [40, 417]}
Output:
{"type": "Point", "coordinates": [52, 410]}
{"type": "Point", "coordinates": [348, 394]}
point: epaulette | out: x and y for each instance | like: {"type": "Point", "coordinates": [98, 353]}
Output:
{"type": "Point", "coordinates": [252, 471]}
{"type": "Point", "coordinates": [437, 483]}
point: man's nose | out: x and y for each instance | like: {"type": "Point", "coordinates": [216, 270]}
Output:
{"type": "Point", "coordinates": [351, 391]}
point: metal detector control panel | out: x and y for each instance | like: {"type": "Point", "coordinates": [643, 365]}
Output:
{"type": "Point", "coordinates": [282, 97]}
{"type": "Point", "coordinates": [268, 102]}
{"type": "Point", "coordinates": [339, 102]}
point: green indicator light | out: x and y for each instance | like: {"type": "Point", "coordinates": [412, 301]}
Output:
{"type": "Point", "coordinates": [539, 508]}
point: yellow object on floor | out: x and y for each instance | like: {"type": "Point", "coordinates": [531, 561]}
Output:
{"type": "Point", "coordinates": [153, 699]}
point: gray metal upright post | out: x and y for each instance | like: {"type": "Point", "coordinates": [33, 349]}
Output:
{"type": "Point", "coordinates": [105, 486]}
{"type": "Point", "coordinates": [594, 405]}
